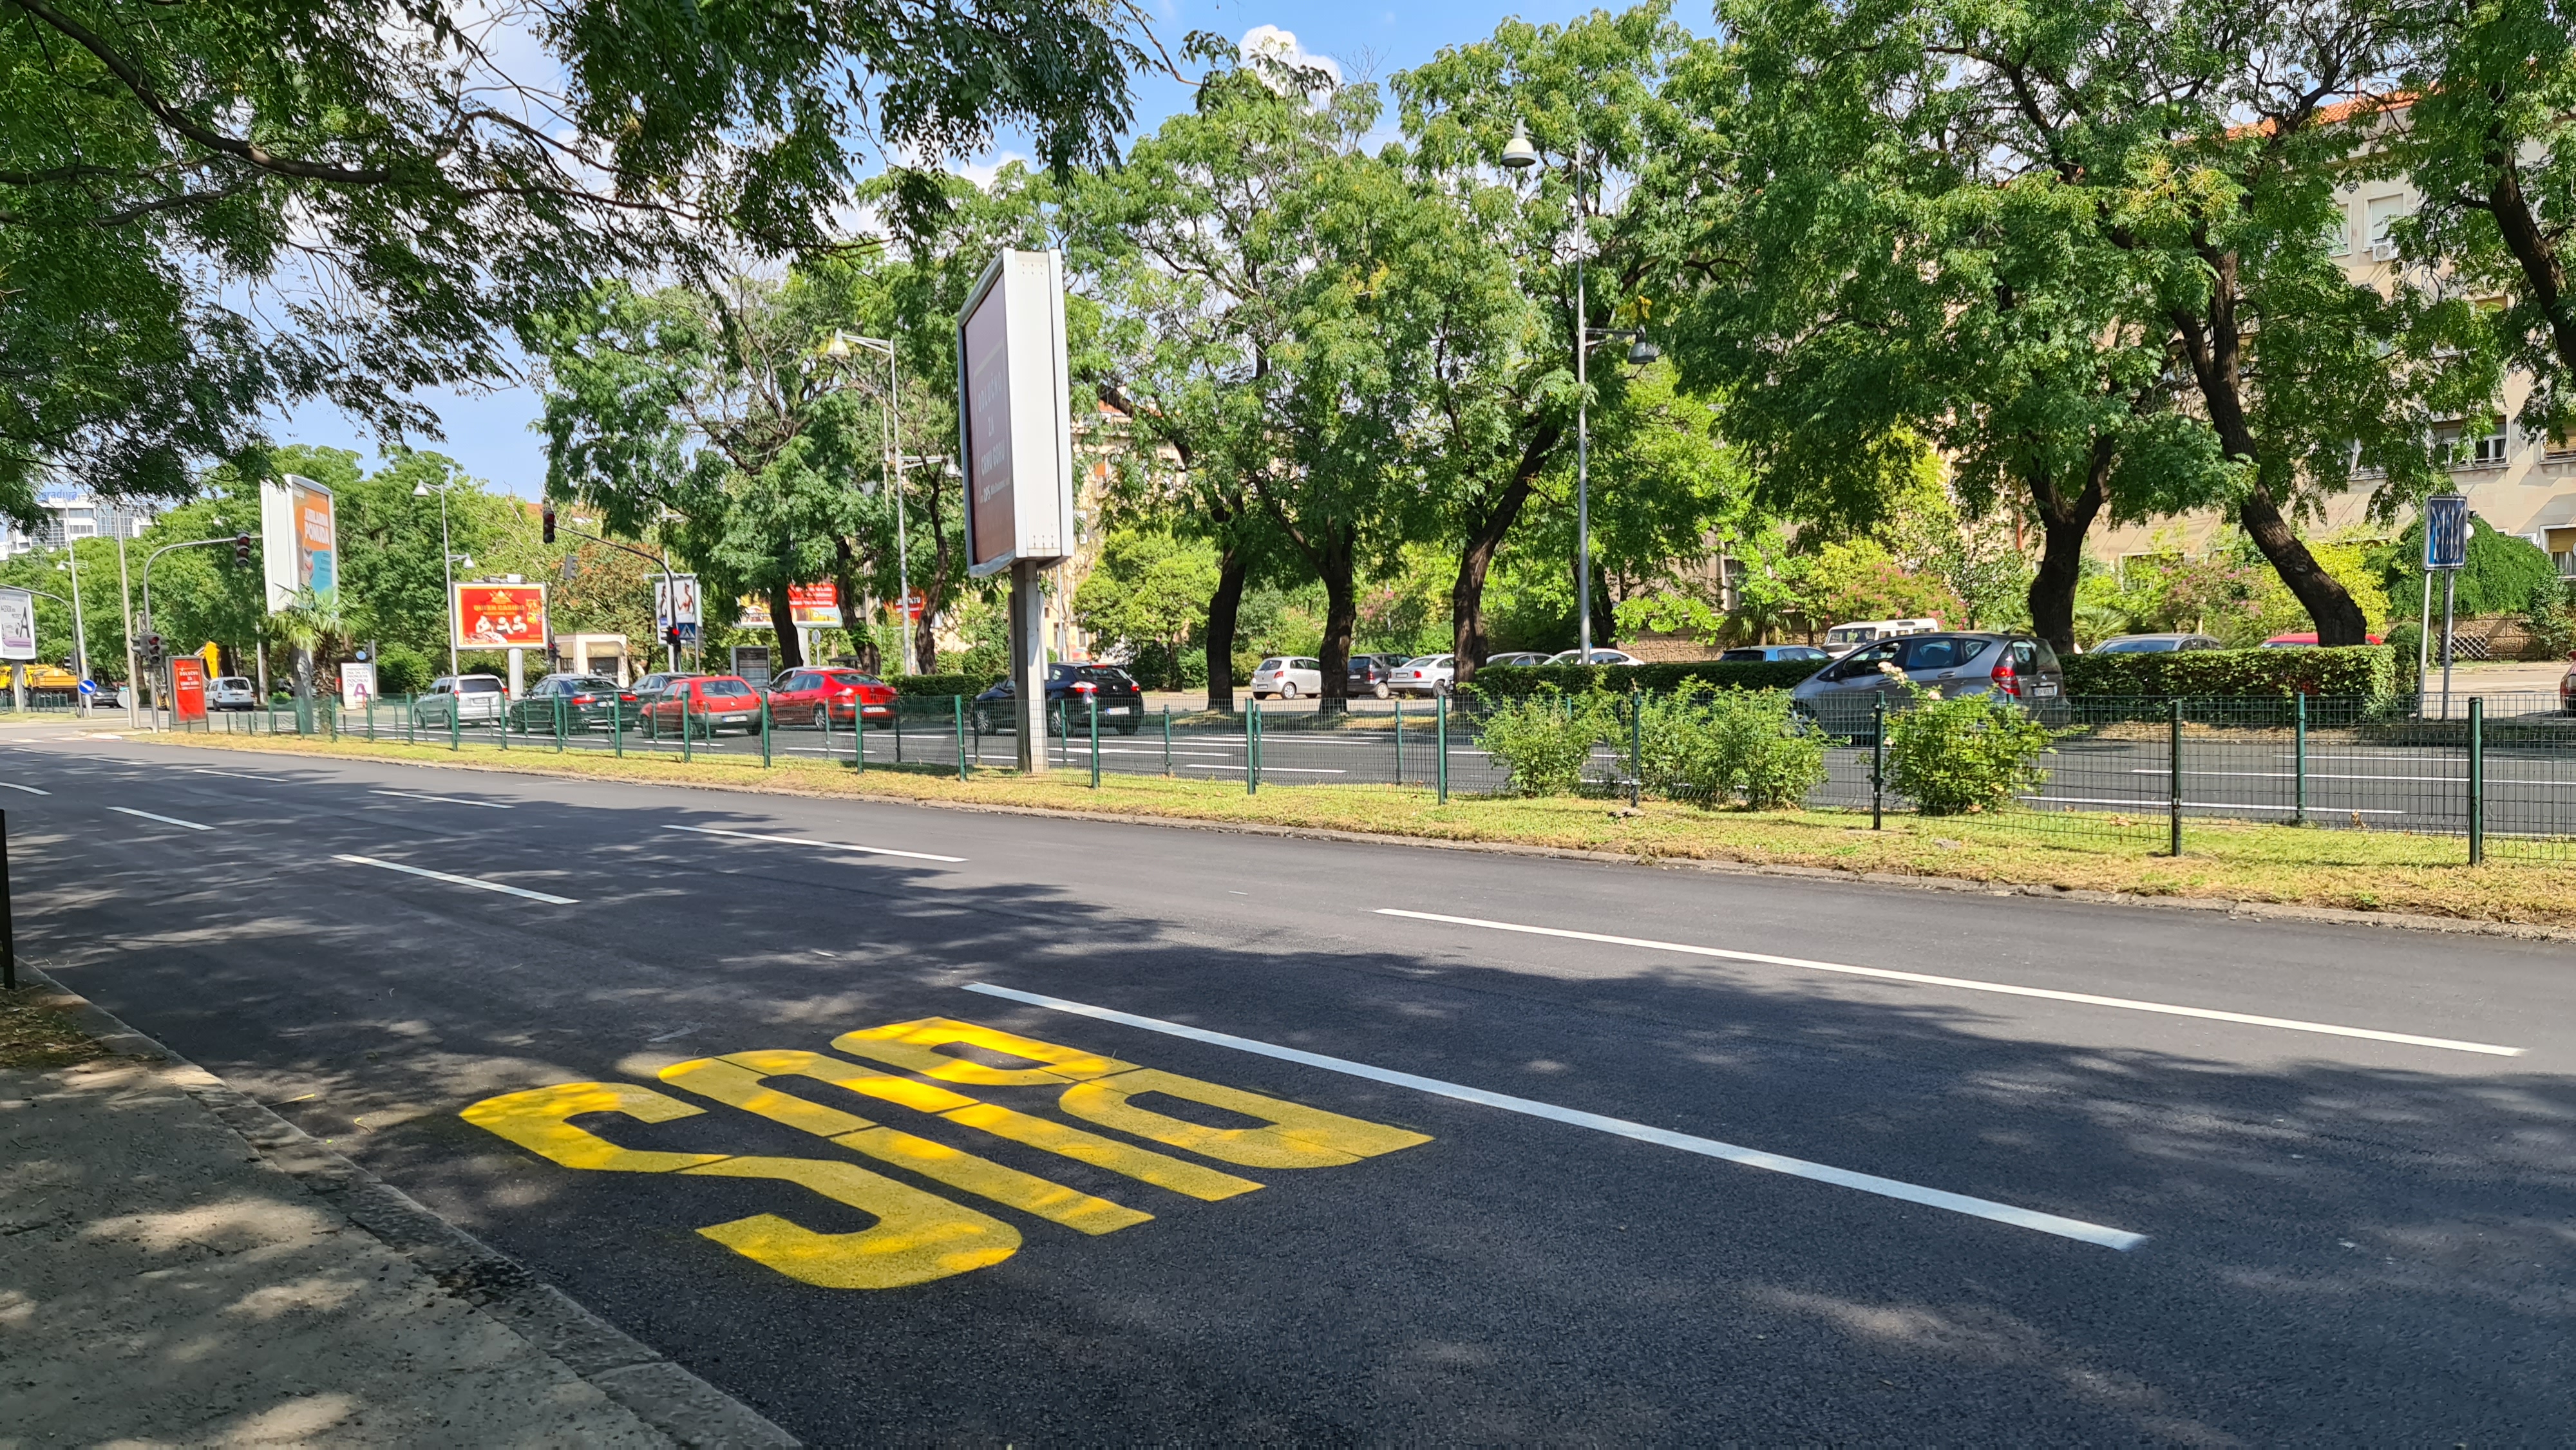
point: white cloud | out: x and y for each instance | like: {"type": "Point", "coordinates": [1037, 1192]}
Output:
{"type": "Point", "coordinates": [1269, 42]}
{"type": "Point", "coordinates": [982, 172]}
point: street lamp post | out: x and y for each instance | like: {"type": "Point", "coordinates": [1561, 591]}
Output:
{"type": "Point", "coordinates": [446, 566]}
{"type": "Point", "coordinates": [1520, 155]}
{"type": "Point", "coordinates": [80, 634]}
{"type": "Point", "coordinates": [839, 349]}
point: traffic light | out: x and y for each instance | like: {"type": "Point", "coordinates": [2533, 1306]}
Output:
{"type": "Point", "coordinates": [671, 636]}
{"type": "Point", "coordinates": [152, 650]}
{"type": "Point", "coordinates": [366, 652]}
{"type": "Point", "coordinates": [547, 515]}
{"type": "Point", "coordinates": [241, 550]}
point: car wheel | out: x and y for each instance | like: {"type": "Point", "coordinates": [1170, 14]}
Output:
{"type": "Point", "coordinates": [1129, 728]}
{"type": "Point", "coordinates": [1288, 691]}
{"type": "Point", "coordinates": [1381, 692]}
{"type": "Point", "coordinates": [822, 718]}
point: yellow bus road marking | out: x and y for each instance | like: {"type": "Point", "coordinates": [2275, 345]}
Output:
{"type": "Point", "coordinates": [920, 1236]}
{"type": "Point", "coordinates": [2049, 1223]}
{"type": "Point", "coordinates": [1966, 983]}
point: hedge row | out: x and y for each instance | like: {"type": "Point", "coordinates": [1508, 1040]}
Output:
{"type": "Point", "coordinates": [2353, 670]}
{"type": "Point", "coordinates": [1505, 681]}
{"type": "Point", "coordinates": [919, 685]}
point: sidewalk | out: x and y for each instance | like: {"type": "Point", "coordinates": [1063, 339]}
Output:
{"type": "Point", "coordinates": [179, 1266]}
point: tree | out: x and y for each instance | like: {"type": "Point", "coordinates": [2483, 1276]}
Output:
{"type": "Point", "coordinates": [402, 198]}
{"type": "Point", "coordinates": [1148, 589]}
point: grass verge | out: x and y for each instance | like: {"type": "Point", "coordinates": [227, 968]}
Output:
{"type": "Point", "coordinates": [2357, 870]}
{"type": "Point", "coordinates": [36, 1036]}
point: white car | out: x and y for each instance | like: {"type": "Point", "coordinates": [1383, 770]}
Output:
{"type": "Point", "coordinates": [1287, 676]}
{"type": "Point", "coordinates": [1426, 675]}
{"type": "Point", "coordinates": [1600, 656]}
{"type": "Point", "coordinates": [1842, 639]}
{"type": "Point", "coordinates": [230, 692]}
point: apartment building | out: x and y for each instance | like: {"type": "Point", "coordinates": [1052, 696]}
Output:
{"type": "Point", "coordinates": [70, 515]}
{"type": "Point", "coordinates": [2518, 482]}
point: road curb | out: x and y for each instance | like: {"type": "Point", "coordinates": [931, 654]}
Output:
{"type": "Point", "coordinates": [2225, 906]}
{"type": "Point", "coordinates": [660, 1393]}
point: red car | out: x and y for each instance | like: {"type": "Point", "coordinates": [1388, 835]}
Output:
{"type": "Point", "coordinates": [713, 703]}
{"type": "Point", "coordinates": [814, 694]}
{"type": "Point", "coordinates": [2306, 640]}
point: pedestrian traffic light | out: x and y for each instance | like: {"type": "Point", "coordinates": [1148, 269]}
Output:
{"type": "Point", "coordinates": [548, 516]}
{"type": "Point", "coordinates": [671, 636]}
{"type": "Point", "coordinates": [241, 550]}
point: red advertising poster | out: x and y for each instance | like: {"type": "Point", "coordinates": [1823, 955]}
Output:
{"type": "Point", "coordinates": [501, 616]}
{"type": "Point", "coordinates": [815, 606]}
{"type": "Point", "coordinates": [187, 688]}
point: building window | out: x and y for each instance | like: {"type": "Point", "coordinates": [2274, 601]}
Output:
{"type": "Point", "coordinates": [2338, 236]}
{"type": "Point", "coordinates": [2381, 211]}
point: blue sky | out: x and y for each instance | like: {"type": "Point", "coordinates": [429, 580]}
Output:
{"type": "Point", "coordinates": [489, 434]}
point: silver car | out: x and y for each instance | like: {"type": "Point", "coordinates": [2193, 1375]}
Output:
{"type": "Point", "coordinates": [459, 698]}
{"type": "Point", "coordinates": [2153, 644]}
{"type": "Point", "coordinates": [1843, 695]}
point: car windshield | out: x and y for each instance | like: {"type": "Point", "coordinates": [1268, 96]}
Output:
{"type": "Point", "coordinates": [1272, 664]}
{"type": "Point", "coordinates": [850, 677]}
{"type": "Point", "coordinates": [1736, 655]}
{"type": "Point", "coordinates": [478, 687]}
{"type": "Point", "coordinates": [1850, 636]}
{"type": "Point", "coordinates": [724, 689]}
{"type": "Point", "coordinates": [1426, 661]}
{"type": "Point", "coordinates": [590, 684]}
{"type": "Point", "coordinates": [232, 682]}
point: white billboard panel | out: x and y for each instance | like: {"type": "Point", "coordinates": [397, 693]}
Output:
{"type": "Point", "coordinates": [17, 625]}
{"type": "Point", "coordinates": [1015, 420]}
{"type": "Point", "coordinates": [299, 539]}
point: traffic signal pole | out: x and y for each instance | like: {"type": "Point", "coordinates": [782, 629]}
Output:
{"type": "Point", "coordinates": [152, 641]}
{"type": "Point", "coordinates": [670, 587]}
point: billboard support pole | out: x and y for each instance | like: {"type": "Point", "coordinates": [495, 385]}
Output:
{"type": "Point", "coordinates": [1028, 664]}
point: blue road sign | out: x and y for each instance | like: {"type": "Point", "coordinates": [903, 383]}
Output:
{"type": "Point", "coordinates": [89, 687]}
{"type": "Point", "coordinates": [2446, 531]}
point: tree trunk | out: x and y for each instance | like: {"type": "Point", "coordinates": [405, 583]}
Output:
{"type": "Point", "coordinates": [845, 578]}
{"type": "Point", "coordinates": [2063, 524]}
{"type": "Point", "coordinates": [1338, 562]}
{"type": "Point", "coordinates": [1476, 560]}
{"type": "Point", "coordinates": [2329, 604]}
{"type": "Point", "coordinates": [782, 623]}
{"type": "Point", "coordinates": [1224, 607]}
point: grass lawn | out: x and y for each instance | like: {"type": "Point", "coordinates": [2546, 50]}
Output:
{"type": "Point", "coordinates": [2368, 871]}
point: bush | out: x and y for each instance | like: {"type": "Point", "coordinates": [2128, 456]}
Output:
{"type": "Point", "coordinates": [402, 670]}
{"type": "Point", "coordinates": [1957, 756]}
{"type": "Point", "coordinates": [2366, 670]}
{"type": "Point", "coordinates": [1704, 744]}
{"type": "Point", "coordinates": [1501, 681]}
{"type": "Point", "coordinates": [918, 686]}
{"type": "Point", "coordinates": [1543, 739]}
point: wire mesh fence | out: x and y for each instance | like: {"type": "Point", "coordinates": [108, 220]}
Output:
{"type": "Point", "coordinates": [2498, 778]}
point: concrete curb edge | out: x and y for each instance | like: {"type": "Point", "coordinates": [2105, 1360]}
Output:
{"type": "Point", "coordinates": [2225, 906]}
{"type": "Point", "coordinates": [658, 1392]}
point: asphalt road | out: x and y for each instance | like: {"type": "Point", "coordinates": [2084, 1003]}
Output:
{"type": "Point", "coordinates": [2332, 1206]}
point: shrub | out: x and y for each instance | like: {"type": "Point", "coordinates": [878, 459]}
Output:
{"type": "Point", "coordinates": [1501, 681]}
{"type": "Point", "coordinates": [402, 670]}
{"type": "Point", "coordinates": [1708, 745]}
{"type": "Point", "coordinates": [1956, 756]}
{"type": "Point", "coordinates": [918, 686]}
{"type": "Point", "coordinates": [1543, 739]}
{"type": "Point", "coordinates": [2365, 670]}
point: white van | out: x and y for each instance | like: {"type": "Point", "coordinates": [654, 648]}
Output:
{"type": "Point", "coordinates": [1842, 639]}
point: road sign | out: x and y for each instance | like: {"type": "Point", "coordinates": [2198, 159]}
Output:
{"type": "Point", "coordinates": [686, 612]}
{"type": "Point", "coordinates": [2446, 531]}
{"type": "Point", "coordinates": [89, 687]}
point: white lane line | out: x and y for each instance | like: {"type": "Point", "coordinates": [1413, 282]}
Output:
{"type": "Point", "coordinates": [29, 789]}
{"type": "Point", "coordinates": [165, 820]}
{"type": "Point", "coordinates": [475, 882]}
{"type": "Point", "coordinates": [228, 774]}
{"type": "Point", "coordinates": [2072, 1228]}
{"type": "Point", "coordinates": [445, 800]}
{"type": "Point", "coordinates": [1970, 984]}
{"type": "Point", "coordinates": [826, 845]}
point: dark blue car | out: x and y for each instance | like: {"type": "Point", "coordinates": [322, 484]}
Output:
{"type": "Point", "coordinates": [1070, 691]}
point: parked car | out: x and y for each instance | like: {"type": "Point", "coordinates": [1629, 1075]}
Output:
{"type": "Point", "coordinates": [1428, 675]}
{"type": "Point", "coordinates": [711, 705]}
{"type": "Point", "coordinates": [456, 699]}
{"type": "Point", "coordinates": [2308, 640]}
{"type": "Point", "coordinates": [1517, 657]}
{"type": "Point", "coordinates": [231, 692]}
{"type": "Point", "coordinates": [1287, 676]}
{"type": "Point", "coordinates": [2567, 688]}
{"type": "Point", "coordinates": [1600, 656]}
{"type": "Point", "coordinates": [655, 684]}
{"type": "Point", "coordinates": [2014, 666]}
{"type": "Point", "coordinates": [816, 694]}
{"type": "Point", "coordinates": [1072, 686]}
{"type": "Point", "coordinates": [582, 700]}
{"type": "Point", "coordinates": [1370, 675]}
{"type": "Point", "coordinates": [2155, 644]}
{"type": "Point", "coordinates": [1842, 639]}
{"type": "Point", "coordinates": [1758, 653]}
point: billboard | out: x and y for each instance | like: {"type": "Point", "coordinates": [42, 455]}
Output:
{"type": "Point", "coordinates": [300, 541]}
{"type": "Point", "coordinates": [187, 688]}
{"type": "Point", "coordinates": [809, 606]}
{"type": "Point", "coordinates": [357, 684]}
{"type": "Point", "coordinates": [1015, 420]}
{"type": "Point", "coordinates": [17, 625]}
{"type": "Point", "coordinates": [675, 601]}
{"type": "Point", "coordinates": [500, 616]}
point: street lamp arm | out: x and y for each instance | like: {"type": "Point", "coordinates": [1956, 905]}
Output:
{"type": "Point", "coordinates": [670, 587]}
